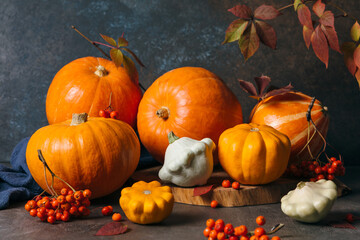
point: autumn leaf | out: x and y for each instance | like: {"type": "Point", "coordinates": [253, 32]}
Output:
{"type": "Point", "coordinates": [266, 12]}
{"type": "Point", "coordinates": [304, 15]}
{"type": "Point", "coordinates": [134, 56]}
{"type": "Point", "coordinates": [112, 228]}
{"type": "Point", "coordinates": [278, 91]}
{"type": "Point", "coordinates": [357, 76]}
{"type": "Point", "coordinates": [129, 66]}
{"type": "Point", "coordinates": [122, 42]}
{"type": "Point", "coordinates": [198, 191]}
{"type": "Point", "coordinates": [261, 83]}
{"type": "Point", "coordinates": [109, 40]}
{"type": "Point", "coordinates": [342, 224]}
{"type": "Point", "coordinates": [332, 37]}
{"type": "Point", "coordinates": [248, 87]}
{"type": "Point", "coordinates": [320, 45]}
{"type": "Point", "coordinates": [319, 8]}
{"type": "Point", "coordinates": [249, 42]}
{"type": "Point", "coordinates": [327, 19]}
{"type": "Point", "coordinates": [348, 49]}
{"type": "Point", "coordinates": [116, 56]}
{"type": "Point", "coordinates": [235, 30]}
{"type": "Point", "coordinates": [355, 32]}
{"type": "Point", "coordinates": [357, 56]}
{"type": "Point", "coordinates": [296, 4]}
{"type": "Point", "coordinates": [266, 33]}
{"type": "Point", "coordinates": [307, 32]}
{"type": "Point", "coordinates": [241, 11]}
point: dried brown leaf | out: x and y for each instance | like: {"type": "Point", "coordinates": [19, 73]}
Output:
{"type": "Point", "coordinates": [348, 49]}
{"type": "Point", "coordinates": [262, 83]}
{"type": "Point", "coordinates": [320, 45]}
{"type": "Point", "coordinates": [355, 32]}
{"type": "Point", "coordinates": [266, 12]}
{"type": "Point", "coordinates": [319, 8]}
{"type": "Point", "coordinates": [327, 19]}
{"type": "Point", "coordinates": [266, 33]}
{"type": "Point", "coordinates": [112, 228]}
{"type": "Point", "coordinates": [248, 87]}
{"type": "Point", "coordinates": [307, 32]}
{"type": "Point", "coordinates": [241, 11]}
{"type": "Point", "coordinates": [278, 91]}
{"type": "Point", "coordinates": [235, 30]}
{"type": "Point", "coordinates": [198, 191]}
{"type": "Point", "coordinates": [109, 40]}
{"type": "Point", "coordinates": [332, 37]}
{"type": "Point", "coordinates": [249, 42]}
{"type": "Point", "coordinates": [304, 15]}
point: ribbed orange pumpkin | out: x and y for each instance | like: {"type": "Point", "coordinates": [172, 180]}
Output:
{"type": "Point", "coordinates": [85, 85]}
{"type": "Point", "coordinates": [99, 154]}
{"type": "Point", "coordinates": [287, 114]}
{"type": "Point", "coordinates": [254, 154]}
{"type": "Point", "coordinates": [191, 102]}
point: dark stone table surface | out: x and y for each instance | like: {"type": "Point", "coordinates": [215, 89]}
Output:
{"type": "Point", "coordinates": [186, 221]}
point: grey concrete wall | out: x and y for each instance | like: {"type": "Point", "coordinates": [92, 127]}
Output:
{"type": "Point", "coordinates": [36, 41]}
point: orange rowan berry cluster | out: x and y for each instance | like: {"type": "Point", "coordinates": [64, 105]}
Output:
{"type": "Point", "coordinates": [60, 208]}
{"type": "Point", "coordinates": [221, 231]}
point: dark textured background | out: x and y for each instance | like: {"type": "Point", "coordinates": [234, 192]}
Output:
{"type": "Point", "coordinates": [36, 41]}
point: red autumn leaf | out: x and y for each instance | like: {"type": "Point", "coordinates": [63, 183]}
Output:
{"type": "Point", "coordinates": [342, 224]}
{"type": "Point", "coordinates": [278, 91]}
{"type": "Point", "coordinates": [355, 32]}
{"type": "Point", "coordinates": [297, 3]}
{"type": "Point", "coordinates": [241, 11]}
{"type": "Point", "coordinates": [319, 8]}
{"type": "Point", "coordinates": [357, 56]}
{"type": "Point", "coordinates": [249, 42]}
{"type": "Point", "coordinates": [327, 19]}
{"type": "Point", "coordinates": [332, 37]}
{"type": "Point", "coordinates": [320, 45]}
{"type": "Point", "coordinates": [307, 32]}
{"type": "Point", "coordinates": [198, 191]}
{"type": "Point", "coordinates": [112, 228]}
{"type": "Point", "coordinates": [266, 33]}
{"type": "Point", "coordinates": [248, 87]}
{"type": "Point", "coordinates": [348, 49]}
{"type": "Point", "coordinates": [109, 40]}
{"type": "Point", "coordinates": [261, 83]}
{"type": "Point", "coordinates": [266, 12]}
{"type": "Point", "coordinates": [304, 15]}
{"type": "Point", "coordinates": [235, 30]}
{"type": "Point", "coordinates": [357, 76]}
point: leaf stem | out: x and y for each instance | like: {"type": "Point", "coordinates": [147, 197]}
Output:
{"type": "Point", "coordinates": [106, 45]}
{"type": "Point", "coordinates": [285, 7]}
{"type": "Point", "coordinates": [345, 14]}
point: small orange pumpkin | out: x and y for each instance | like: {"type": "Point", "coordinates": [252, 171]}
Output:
{"type": "Point", "coordinates": [190, 101]}
{"type": "Point", "coordinates": [95, 153]}
{"type": "Point", "coordinates": [254, 154]}
{"type": "Point", "coordinates": [85, 85]}
{"type": "Point", "coordinates": [287, 114]}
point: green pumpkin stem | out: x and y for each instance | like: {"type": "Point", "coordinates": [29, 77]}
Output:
{"type": "Point", "coordinates": [172, 137]}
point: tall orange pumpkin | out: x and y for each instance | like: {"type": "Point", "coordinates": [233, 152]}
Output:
{"type": "Point", "coordinates": [191, 102]}
{"type": "Point", "coordinates": [98, 153]}
{"type": "Point", "coordinates": [287, 114]}
{"type": "Point", "coordinates": [85, 85]}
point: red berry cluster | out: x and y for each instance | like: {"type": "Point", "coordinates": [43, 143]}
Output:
{"type": "Point", "coordinates": [60, 208]}
{"type": "Point", "coordinates": [109, 113]}
{"type": "Point", "coordinates": [226, 184]}
{"type": "Point", "coordinates": [316, 170]}
{"type": "Point", "coordinates": [221, 231]}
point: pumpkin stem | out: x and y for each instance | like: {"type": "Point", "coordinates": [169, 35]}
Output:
{"type": "Point", "coordinates": [172, 137]}
{"type": "Point", "coordinates": [101, 71]}
{"type": "Point", "coordinates": [78, 118]}
{"type": "Point", "coordinates": [163, 113]}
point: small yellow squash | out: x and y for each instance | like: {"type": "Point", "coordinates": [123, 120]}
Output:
{"type": "Point", "coordinates": [147, 203]}
{"type": "Point", "coordinates": [254, 154]}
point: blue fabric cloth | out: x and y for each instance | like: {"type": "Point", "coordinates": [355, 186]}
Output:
{"type": "Point", "coordinates": [17, 184]}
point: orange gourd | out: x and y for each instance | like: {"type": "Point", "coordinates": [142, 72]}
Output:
{"type": "Point", "coordinates": [85, 85]}
{"type": "Point", "coordinates": [99, 154]}
{"type": "Point", "coordinates": [254, 154]}
{"type": "Point", "coordinates": [190, 101]}
{"type": "Point", "coordinates": [287, 114]}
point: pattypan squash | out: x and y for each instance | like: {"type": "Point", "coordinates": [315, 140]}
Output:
{"type": "Point", "coordinates": [147, 203]}
{"type": "Point", "coordinates": [188, 162]}
{"type": "Point", "coordinates": [310, 201]}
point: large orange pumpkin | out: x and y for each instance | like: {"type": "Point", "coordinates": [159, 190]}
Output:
{"type": "Point", "coordinates": [287, 114]}
{"type": "Point", "coordinates": [99, 154]}
{"type": "Point", "coordinates": [191, 102]}
{"type": "Point", "coordinates": [85, 85]}
{"type": "Point", "coordinates": [254, 154]}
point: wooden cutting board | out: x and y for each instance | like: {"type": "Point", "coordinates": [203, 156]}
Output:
{"type": "Point", "coordinates": [229, 197]}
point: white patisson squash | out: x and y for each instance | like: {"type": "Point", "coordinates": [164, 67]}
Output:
{"type": "Point", "coordinates": [187, 162]}
{"type": "Point", "coordinates": [310, 201]}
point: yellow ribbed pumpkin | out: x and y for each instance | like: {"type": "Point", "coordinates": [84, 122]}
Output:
{"type": "Point", "coordinates": [95, 153]}
{"type": "Point", "coordinates": [147, 203]}
{"type": "Point", "coordinates": [254, 154]}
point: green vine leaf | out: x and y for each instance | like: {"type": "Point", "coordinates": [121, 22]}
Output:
{"type": "Point", "coordinates": [249, 42]}
{"type": "Point", "coordinates": [296, 4]}
{"type": "Point", "coordinates": [355, 32]}
{"type": "Point", "coordinates": [266, 33]}
{"type": "Point", "coordinates": [117, 56]}
{"type": "Point", "coordinates": [235, 30]}
{"type": "Point", "coordinates": [109, 40]}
